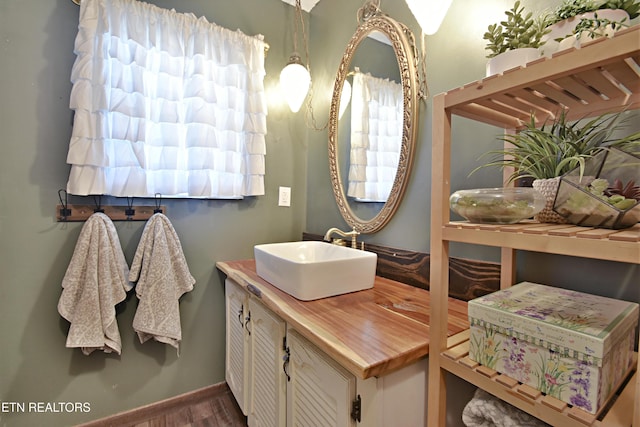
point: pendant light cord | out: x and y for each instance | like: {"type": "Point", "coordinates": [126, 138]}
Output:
{"type": "Point", "coordinates": [298, 17]}
{"type": "Point", "coordinates": [310, 119]}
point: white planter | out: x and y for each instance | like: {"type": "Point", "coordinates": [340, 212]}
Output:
{"type": "Point", "coordinates": [549, 188]}
{"type": "Point", "coordinates": [568, 43]}
{"type": "Point", "coordinates": [511, 59]}
{"type": "Point", "coordinates": [563, 29]}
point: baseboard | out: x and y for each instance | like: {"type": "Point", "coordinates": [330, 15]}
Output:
{"type": "Point", "coordinates": [144, 413]}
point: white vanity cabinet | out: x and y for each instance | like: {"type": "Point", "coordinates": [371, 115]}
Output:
{"type": "Point", "coordinates": [320, 392]}
{"type": "Point", "coordinates": [267, 380]}
{"type": "Point", "coordinates": [237, 343]}
{"type": "Point", "coordinates": [280, 378]}
{"type": "Point", "coordinates": [323, 393]}
{"type": "Point", "coordinates": [254, 358]}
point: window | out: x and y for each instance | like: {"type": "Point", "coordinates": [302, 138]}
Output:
{"type": "Point", "coordinates": [165, 103]}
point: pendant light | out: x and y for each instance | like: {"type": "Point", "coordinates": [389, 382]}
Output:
{"type": "Point", "coordinates": [294, 82]}
{"type": "Point", "coordinates": [295, 78]}
{"type": "Point", "coordinates": [429, 13]}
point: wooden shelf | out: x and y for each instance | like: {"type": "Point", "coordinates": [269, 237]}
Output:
{"type": "Point", "coordinates": [546, 408]}
{"type": "Point", "coordinates": [605, 80]}
{"type": "Point", "coordinates": [603, 76]}
{"type": "Point", "coordinates": [562, 239]}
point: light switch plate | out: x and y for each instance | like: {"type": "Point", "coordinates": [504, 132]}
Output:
{"type": "Point", "coordinates": [284, 197]}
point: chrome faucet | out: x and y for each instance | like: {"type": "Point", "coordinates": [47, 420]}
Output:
{"type": "Point", "coordinates": [353, 234]}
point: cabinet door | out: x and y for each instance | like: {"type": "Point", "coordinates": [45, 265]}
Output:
{"type": "Point", "coordinates": [267, 380]}
{"type": "Point", "coordinates": [320, 392]}
{"type": "Point", "coordinates": [237, 342]}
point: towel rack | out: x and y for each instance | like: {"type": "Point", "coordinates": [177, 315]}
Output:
{"type": "Point", "coordinates": [66, 212]}
{"type": "Point", "coordinates": [116, 213]}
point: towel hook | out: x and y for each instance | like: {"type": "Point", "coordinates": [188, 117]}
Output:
{"type": "Point", "coordinates": [158, 209]}
{"type": "Point", "coordinates": [129, 212]}
{"type": "Point", "coordinates": [65, 211]}
{"type": "Point", "coordinates": [98, 203]}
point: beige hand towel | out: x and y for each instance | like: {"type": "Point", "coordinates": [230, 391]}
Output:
{"type": "Point", "coordinates": [95, 281]}
{"type": "Point", "coordinates": [486, 410]}
{"type": "Point", "coordinates": [162, 275]}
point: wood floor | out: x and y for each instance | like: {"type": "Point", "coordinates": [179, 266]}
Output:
{"type": "Point", "coordinates": [211, 407]}
{"type": "Point", "coordinates": [219, 411]}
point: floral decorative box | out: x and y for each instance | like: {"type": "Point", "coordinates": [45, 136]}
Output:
{"type": "Point", "coordinates": [571, 345]}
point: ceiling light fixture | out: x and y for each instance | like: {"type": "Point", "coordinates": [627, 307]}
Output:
{"type": "Point", "coordinates": [429, 13]}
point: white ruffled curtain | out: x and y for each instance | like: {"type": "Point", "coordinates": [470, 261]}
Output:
{"type": "Point", "coordinates": [165, 103]}
{"type": "Point", "coordinates": [376, 137]}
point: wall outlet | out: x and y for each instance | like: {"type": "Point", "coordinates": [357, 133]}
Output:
{"type": "Point", "coordinates": [284, 197]}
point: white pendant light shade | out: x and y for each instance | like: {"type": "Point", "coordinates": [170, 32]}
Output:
{"type": "Point", "coordinates": [429, 13]}
{"type": "Point", "coordinates": [345, 97]}
{"type": "Point", "coordinates": [294, 82]}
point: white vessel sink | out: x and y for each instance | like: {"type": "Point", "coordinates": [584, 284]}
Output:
{"type": "Point", "coordinates": [311, 270]}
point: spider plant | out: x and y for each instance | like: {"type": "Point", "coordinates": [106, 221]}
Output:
{"type": "Point", "coordinates": [560, 146]}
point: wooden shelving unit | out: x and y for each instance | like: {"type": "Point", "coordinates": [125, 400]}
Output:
{"type": "Point", "coordinates": [603, 76]}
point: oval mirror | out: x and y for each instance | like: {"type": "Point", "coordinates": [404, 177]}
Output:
{"type": "Point", "coordinates": [372, 132]}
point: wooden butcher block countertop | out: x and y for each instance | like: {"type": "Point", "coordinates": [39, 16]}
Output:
{"type": "Point", "coordinates": [370, 333]}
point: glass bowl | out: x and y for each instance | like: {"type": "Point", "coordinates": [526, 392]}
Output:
{"type": "Point", "coordinates": [506, 205]}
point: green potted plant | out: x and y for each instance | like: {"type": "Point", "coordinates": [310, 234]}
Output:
{"type": "Point", "coordinates": [572, 8]}
{"type": "Point", "coordinates": [594, 17]}
{"type": "Point", "coordinates": [597, 27]}
{"type": "Point", "coordinates": [545, 153]}
{"type": "Point", "coordinates": [514, 41]}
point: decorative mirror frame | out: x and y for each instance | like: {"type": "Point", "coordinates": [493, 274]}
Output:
{"type": "Point", "coordinates": [403, 43]}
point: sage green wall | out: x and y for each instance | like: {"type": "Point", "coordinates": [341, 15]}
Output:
{"type": "Point", "coordinates": [37, 41]}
